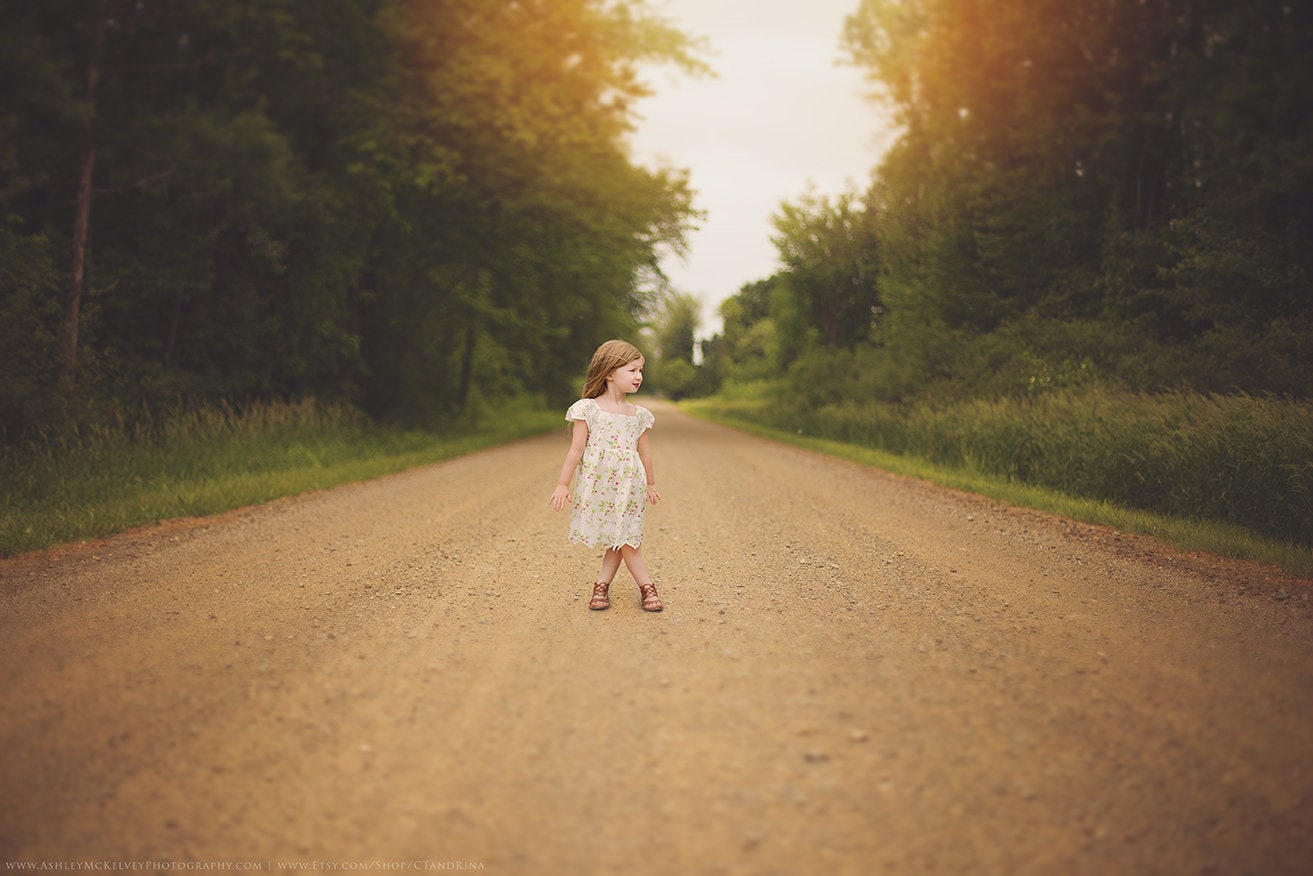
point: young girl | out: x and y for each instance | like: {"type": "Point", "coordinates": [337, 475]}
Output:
{"type": "Point", "coordinates": [610, 449]}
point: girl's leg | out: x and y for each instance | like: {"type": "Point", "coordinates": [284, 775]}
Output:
{"type": "Point", "coordinates": [610, 565]}
{"type": "Point", "coordinates": [634, 562]}
{"type": "Point", "coordinates": [633, 558]}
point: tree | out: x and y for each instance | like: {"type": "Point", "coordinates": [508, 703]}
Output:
{"type": "Point", "coordinates": [397, 203]}
{"type": "Point", "coordinates": [828, 251]}
{"type": "Point", "coordinates": [1143, 164]}
{"type": "Point", "coordinates": [546, 234]}
{"type": "Point", "coordinates": [676, 328]}
{"type": "Point", "coordinates": [674, 339]}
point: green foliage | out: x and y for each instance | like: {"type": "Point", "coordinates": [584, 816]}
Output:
{"type": "Point", "coordinates": [397, 205]}
{"type": "Point", "coordinates": [1239, 459]}
{"type": "Point", "coordinates": [674, 378]}
{"type": "Point", "coordinates": [29, 332]}
{"type": "Point", "coordinates": [829, 253]}
{"type": "Point", "coordinates": [541, 236]}
{"type": "Point", "coordinates": [199, 461]}
{"type": "Point", "coordinates": [1144, 164]}
{"type": "Point", "coordinates": [670, 370]}
{"type": "Point", "coordinates": [742, 350]}
{"type": "Point", "coordinates": [675, 325]}
{"type": "Point", "coordinates": [742, 407]}
{"type": "Point", "coordinates": [1079, 191]}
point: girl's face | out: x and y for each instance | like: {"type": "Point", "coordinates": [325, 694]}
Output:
{"type": "Point", "coordinates": [628, 378]}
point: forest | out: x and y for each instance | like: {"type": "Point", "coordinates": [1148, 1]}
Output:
{"type": "Point", "coordinates": [1081, 190]}
{"type": "Point", "coordinates": [406, 206]}
{"type": "Point", "coordinates": [1084, 262]}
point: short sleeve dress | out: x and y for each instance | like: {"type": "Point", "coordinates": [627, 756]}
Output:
{"type": "Point", "coordinates": [610, 485]}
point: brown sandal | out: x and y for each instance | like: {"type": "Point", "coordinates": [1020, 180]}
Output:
{"type": "Point", "coordinates": [651, 602]}
{"type": "Point", "coordinates": [600, 601]}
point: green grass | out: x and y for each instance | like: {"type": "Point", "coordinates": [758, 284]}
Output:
{"type": "Point", "coordinates": [207, 461]}
{"type": "Point", "coordinates": [748, 410]}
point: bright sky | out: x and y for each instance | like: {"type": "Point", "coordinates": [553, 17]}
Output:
{"type": "Point", "coordinates": [780, 115]}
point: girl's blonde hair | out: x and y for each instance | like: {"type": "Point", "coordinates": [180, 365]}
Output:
{"type": "Point", "coordinates": [610, 356]}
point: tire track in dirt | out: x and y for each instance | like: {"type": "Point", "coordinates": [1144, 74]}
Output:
{"type": "Point", "coordinates": [855, 673]}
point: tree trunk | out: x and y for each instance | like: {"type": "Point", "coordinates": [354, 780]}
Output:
{"type": "Point", "coordinates": [82, 206]}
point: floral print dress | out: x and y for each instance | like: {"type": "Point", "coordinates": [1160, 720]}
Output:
{"type": "Point", "coordinates": [610, 485]}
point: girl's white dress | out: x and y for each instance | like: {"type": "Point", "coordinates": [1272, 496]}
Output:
{"type": "Point", "coordinates": [610, 484]}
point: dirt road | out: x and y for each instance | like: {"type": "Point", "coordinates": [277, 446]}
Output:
{"type": "Point", "coordinates": [855, 673]}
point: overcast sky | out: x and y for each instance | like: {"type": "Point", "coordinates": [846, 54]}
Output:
{"type": "Point", "coordinates": [780, 114]}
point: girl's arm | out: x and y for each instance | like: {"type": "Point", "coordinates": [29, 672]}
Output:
{"type": "Point", "coordinates": [561, 495]}
{"type": "Point", "coordinates": [645, 456]}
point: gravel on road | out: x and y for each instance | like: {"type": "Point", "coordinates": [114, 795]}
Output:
{"type": "Point", "coordinates": [855, 673]}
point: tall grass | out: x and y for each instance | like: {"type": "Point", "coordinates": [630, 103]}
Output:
{"type": "Point", "coordinates": [1235, 459]}
{"type": "Point", "coordinates": [207, 460]}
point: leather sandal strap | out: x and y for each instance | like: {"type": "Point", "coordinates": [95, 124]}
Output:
{"type": "Point", "coordinates": [648, 594]}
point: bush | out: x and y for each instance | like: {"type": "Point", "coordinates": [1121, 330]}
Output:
{"type": "Point", "coordinates": [1235, 458]}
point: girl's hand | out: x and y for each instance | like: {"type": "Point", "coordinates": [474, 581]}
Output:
{"type": "Point", "coordinates": [652, 495]}
{"type": "Point", "coordinates": [560, 497]}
